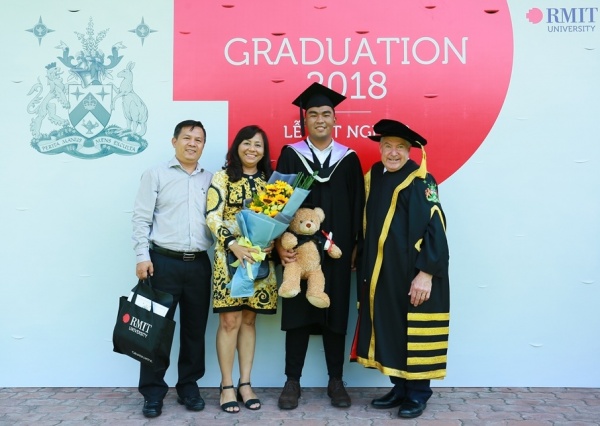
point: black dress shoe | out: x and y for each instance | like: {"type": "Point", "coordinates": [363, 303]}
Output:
{"type": "Point", "coordinates": [152, 408]}
{"type": "Point", "coordinates": [389, 400]}
{"type": "Point", "coordinates": [411, 409]}
{"type": "Point", "coordinates": [192, 403]}
{"type": "Point", "coordinates": [288, 400]}
{"type": "Point", "coordinates": [338, 394]}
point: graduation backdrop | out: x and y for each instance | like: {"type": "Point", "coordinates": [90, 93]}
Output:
{"type": "Point", "coordinates": [505, 91]}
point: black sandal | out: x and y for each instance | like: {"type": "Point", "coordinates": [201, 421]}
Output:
{"type": "Point", "coordinates": [248, 404]}
{"type": "Point", "coordinates": [230, 404]}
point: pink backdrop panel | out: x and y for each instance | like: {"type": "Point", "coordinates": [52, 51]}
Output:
{"type": "Point", "coordinates": [442, 67]}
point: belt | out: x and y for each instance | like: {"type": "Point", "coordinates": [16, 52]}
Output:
{"type": "Point", "coordinates": [185, 256]}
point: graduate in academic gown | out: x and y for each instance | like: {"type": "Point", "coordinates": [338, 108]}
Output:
{"type": "Point", "coordinates": [403, 273]}
{"type": "Point", "coordinates": [339, 190]}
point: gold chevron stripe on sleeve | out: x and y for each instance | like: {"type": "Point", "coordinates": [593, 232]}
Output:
{"type": "Point", "coordinates": [414, 316]}
{"type": "Point", "coordinates": [421, 346]}
{"type": "Point", "coordinates": [428, 331]}
{"type": "Point", "coordinates": [429, 360]}
{"type": "Point", "coordinates": [436, 209]}
{"type": "Point", "coordinates": [418, 244]}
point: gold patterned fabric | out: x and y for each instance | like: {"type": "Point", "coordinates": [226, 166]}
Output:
{"type": "Point", "coordinates": [224, 200]}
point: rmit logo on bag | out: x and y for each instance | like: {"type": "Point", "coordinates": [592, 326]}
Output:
{"type": "Point", "coordinates": [136, 325]}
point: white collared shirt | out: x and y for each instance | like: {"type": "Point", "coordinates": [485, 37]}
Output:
{"type": "Point", "coordinates": [321, 154]}
{"type": "Point", "coordinates": [170, 210]}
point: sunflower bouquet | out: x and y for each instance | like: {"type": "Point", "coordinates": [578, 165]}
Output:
{"type": "Point", "coordinates": [276, 195]}
{"type": "Point", "coordinates": [265, 217]}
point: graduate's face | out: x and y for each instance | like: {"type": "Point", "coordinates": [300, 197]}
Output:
{"type": "Point", "coordinates": [189, 145]}
{"type": "Point", "coordinates": [251, 151]}
{"type": "Point", "coordinates": [394, 152]}
{"type": "Point", "coordinates": [319, 122]}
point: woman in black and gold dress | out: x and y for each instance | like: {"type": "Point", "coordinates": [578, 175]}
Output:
{"type": "Point", "coordinates": [246, 172]}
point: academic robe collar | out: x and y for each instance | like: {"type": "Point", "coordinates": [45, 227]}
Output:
{"type": "Point", "coordinates": [338, 152]}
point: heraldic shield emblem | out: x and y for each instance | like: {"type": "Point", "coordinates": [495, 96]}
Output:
{"type": "Point", "coordinates": [90, 108]}
{"type": "Point", "coordinates": [78, 117]}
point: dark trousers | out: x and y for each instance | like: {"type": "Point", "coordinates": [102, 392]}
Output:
{"type": "Point", "coordinates": [416, 390]}
{"type": "Point", "coordinates": [296, 345]}
{"type": "Point", "coordinates": [189, 283]}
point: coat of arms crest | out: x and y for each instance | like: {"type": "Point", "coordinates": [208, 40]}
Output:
{"type": "Point", "coordinates": [88, 128]}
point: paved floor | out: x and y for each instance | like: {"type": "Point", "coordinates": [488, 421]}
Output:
{"type": "Point", "coordinates": [448, 406]}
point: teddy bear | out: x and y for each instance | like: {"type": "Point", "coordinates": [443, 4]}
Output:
{"type": "Point", "coordinates": [305, 237]}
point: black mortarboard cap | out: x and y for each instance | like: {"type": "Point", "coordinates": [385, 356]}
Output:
{"type": "Point", "coordinates": [387, 127]}
{"type": "Point", "coordinates": [317, 95]}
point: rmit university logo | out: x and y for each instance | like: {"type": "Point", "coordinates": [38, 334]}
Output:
{"type": "Point", "coordinates": [136, 325]}
{"type": "Point", "coordinates": [565, 19]}
{"type": "Point", "coordinates": [76, 117]}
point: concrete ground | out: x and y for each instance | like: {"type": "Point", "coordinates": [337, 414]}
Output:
{"type": "Point", "coordinates": [448, 406]}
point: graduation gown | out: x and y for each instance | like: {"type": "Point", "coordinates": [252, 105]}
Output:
{"type": "Point", "coordinates": [339, 191]}
{"type": "Point", "coordinates": [393, 336]}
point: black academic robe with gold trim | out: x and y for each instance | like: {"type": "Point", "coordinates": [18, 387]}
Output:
{"type": "Point", "coordinates": [339, 191]}
{"type": "Point", "coordinates": [392, 335]}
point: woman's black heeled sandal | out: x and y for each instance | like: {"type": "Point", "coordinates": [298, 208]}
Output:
{"type": "Point", "coordinates": [248, 404]}
{"type": "Point", "coordinates": [230, 404]}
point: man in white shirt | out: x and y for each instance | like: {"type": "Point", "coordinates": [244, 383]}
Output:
{"type": "Point", "coordinates": [170, 242]}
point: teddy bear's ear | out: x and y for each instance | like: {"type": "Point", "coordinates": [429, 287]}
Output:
{"type": "Point", "coordinates": [320, 213]}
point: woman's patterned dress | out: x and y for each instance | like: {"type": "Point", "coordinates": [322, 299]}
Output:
{"type": "Point", "coordinates": [224, 200]}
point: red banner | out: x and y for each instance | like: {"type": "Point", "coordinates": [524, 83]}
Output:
{"type": "Point", "coordinates": [441, 67]}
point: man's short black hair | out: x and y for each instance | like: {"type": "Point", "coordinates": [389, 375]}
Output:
{"type": "Point", "coordinates": [188, 123]}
